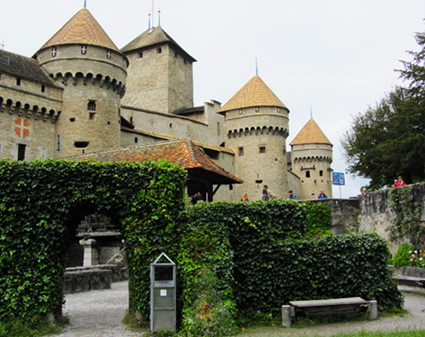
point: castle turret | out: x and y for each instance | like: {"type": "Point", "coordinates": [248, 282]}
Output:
{"type": "Point", "coordinates": [256, 128]}
{"type": "Point", "coordinates": [92, 70]}
{"type": "Point", "coordinates": [160, 76]}
{"type": "Point", "coordinates": [311, 160]}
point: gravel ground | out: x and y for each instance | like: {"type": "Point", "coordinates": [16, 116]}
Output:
{"type": "Point", "coordinates": [99, 314]}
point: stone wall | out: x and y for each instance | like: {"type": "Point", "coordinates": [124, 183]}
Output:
{"type": "Point", "coordinates": [343, 212]}
{"type": "Point", "coordinates": [370, 213]}
{"type": "Point", "coordinates": [376, 214]}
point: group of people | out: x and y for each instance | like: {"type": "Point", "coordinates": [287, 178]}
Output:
{"type": "Point", "coordinates": [268, 195]}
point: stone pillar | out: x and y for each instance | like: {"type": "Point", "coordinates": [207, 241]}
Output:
{"type": "Point", "coordinates": [373, 309]}
{"type": "Point", "coordinates": [286, 316]}
{"type": "Point", "coordinates": [91, 256]}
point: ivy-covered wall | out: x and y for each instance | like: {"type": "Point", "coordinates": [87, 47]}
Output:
{"type": "Point", "coordinates": [234, 259]}
{"type": "Point", "coordinates": [262, 259]}
{"type": "Point", "coordinates": [42, 202]}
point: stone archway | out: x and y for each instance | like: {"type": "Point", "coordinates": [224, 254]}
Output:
{"type": "Point", "coordinates": [43, 201]}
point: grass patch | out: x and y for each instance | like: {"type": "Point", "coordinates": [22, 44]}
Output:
{"type": "Point", "coordinates": [21, 329]}
{"type": "Point", "coordinates": [135, 323]}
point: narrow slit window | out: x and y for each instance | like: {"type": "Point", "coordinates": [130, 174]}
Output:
{"type": "Point", "coordinates": [262, 149]}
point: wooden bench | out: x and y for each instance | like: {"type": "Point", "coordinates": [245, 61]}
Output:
{"type": "Point", "coordinates": [410, 281]}
{"type": "Point", "coordinates": [338, 306]}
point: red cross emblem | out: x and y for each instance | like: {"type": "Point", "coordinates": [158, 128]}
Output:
{"type": "Point", "coordinates": [22, 127]}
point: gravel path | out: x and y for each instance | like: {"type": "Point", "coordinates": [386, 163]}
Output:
{"type": "Point", "coordinates": [99, 314]}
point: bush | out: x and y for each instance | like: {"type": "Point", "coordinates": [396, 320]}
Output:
{"type": "Point", "coordinates": [402, 256]}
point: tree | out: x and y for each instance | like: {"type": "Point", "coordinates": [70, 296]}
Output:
{"type": "Point", "coordinates": [389, 139]}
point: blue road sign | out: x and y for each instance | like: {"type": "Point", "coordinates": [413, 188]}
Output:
{"type": "Point", "coordinates": [338, 178]}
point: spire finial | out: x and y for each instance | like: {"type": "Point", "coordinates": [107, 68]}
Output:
{"type": "Point", "coordinates": [311, 112]}
{"type": "Point", "coordinates": [85, 3]}
{"type": "Point", "coordinates": [149, 21]}
{"type": "Point", "coordinates": [256, 67]}
{"type": "Point", "coordinates": [159, 18]}
{"type": "Point", "coordinates": [153, 19]}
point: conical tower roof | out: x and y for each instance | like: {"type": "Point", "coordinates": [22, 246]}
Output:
{"type": "Point", "coordinates": [310, 134]}
{"type": "Point", "coordinates": [82, 28]}
{"type": "Point", "coordinates": [152, 37]}
{"type": "Point", "coordinates": [254, 93]}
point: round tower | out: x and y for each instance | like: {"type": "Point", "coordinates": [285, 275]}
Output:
{"type": "Point", "coordinates": [92, 70]}
{"type": "Point", "coordinates": [256, 127]}
{"type": "Point", "coordinates": [311, 159]}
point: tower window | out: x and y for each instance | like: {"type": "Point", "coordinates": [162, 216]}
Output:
{"type": "Point", "coordinates": [321, 173]}
{"type": "Point", "coordinates": [91, 106]}
{"type": "Point", "coordinates": [307, 174]}
{"type": "Point", "coordinates": [21, 151]}
{"type": "Point", "coordinates": [240, 151]}
{"type": "Point", "coordinates": [159, 50]}
{"type": "Point", "coordinates": [80, 145]}
{"type": "Point", "coordinates": [43, 88]}
{"type": "Point", "coordinates": [18, 81]}
{"type": "Point", "coordinates": [83, 49]}
{"type": "Point", "coordinates": [218, 128]}
{"type": "Point", "coordinates": [58, 143]}
{"type": "Point", "coordinates": [262, 149]}
{"type": "Point", "coordinates": [136, 140]}
{"type": "Point", "coordinates": [140, 55]}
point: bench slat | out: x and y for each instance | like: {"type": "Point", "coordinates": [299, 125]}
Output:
{"type": "Point", "coordinates": [329, 302]}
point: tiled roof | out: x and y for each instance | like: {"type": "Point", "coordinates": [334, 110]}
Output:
{"type": "Point", "coordinates": [254, 93]}
{"type": "Point", "coordinates": [152, 37]}
{"type": "Point", "coordinates": [23, 67]}
{"type": "Point", "coordinates": [182, 152]}
{"type": "Point", "coordinates": [82, 28]}
{"type": "Point", "coordinates": [310, 134]}
{"type": "Point", "coordinates": [165, 136]}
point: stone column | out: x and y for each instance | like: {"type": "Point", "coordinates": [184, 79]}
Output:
{"type": "Point", "coordinates": [91, 256]}
{"type": "Point", "coordinates": [286, 316]}
{"type": "Point", "coordinates": [373, 310]}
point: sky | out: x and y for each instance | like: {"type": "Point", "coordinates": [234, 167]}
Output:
{"type": "Point", "coordinates": [327, 59]}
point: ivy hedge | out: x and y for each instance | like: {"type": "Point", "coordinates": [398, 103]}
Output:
{"type": "Point", "coordinates": [234, 260]}
{"type": "Point", "coordinates": [261, 260]}
{"type": "Point", "coordinates": [41, 204]}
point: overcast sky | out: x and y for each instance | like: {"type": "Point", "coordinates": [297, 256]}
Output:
{"type": "Point", "coordinates": [332, 57]}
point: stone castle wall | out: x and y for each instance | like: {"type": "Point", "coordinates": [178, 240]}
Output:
{"type": "Point", "coordinates": [370, 213]}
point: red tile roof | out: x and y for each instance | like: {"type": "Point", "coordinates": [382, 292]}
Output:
{"type": "Point", "coordinates": [182, 152]}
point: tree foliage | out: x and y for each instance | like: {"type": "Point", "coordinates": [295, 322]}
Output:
{"type": "Point", "coordinates": [389, 139]}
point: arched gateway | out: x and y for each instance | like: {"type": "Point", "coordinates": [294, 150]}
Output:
{"type": "Point", "coordinates": [42, 203]}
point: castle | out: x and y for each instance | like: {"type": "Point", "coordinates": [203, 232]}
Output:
{"type": "Point", "coordinates": [79, 95]}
